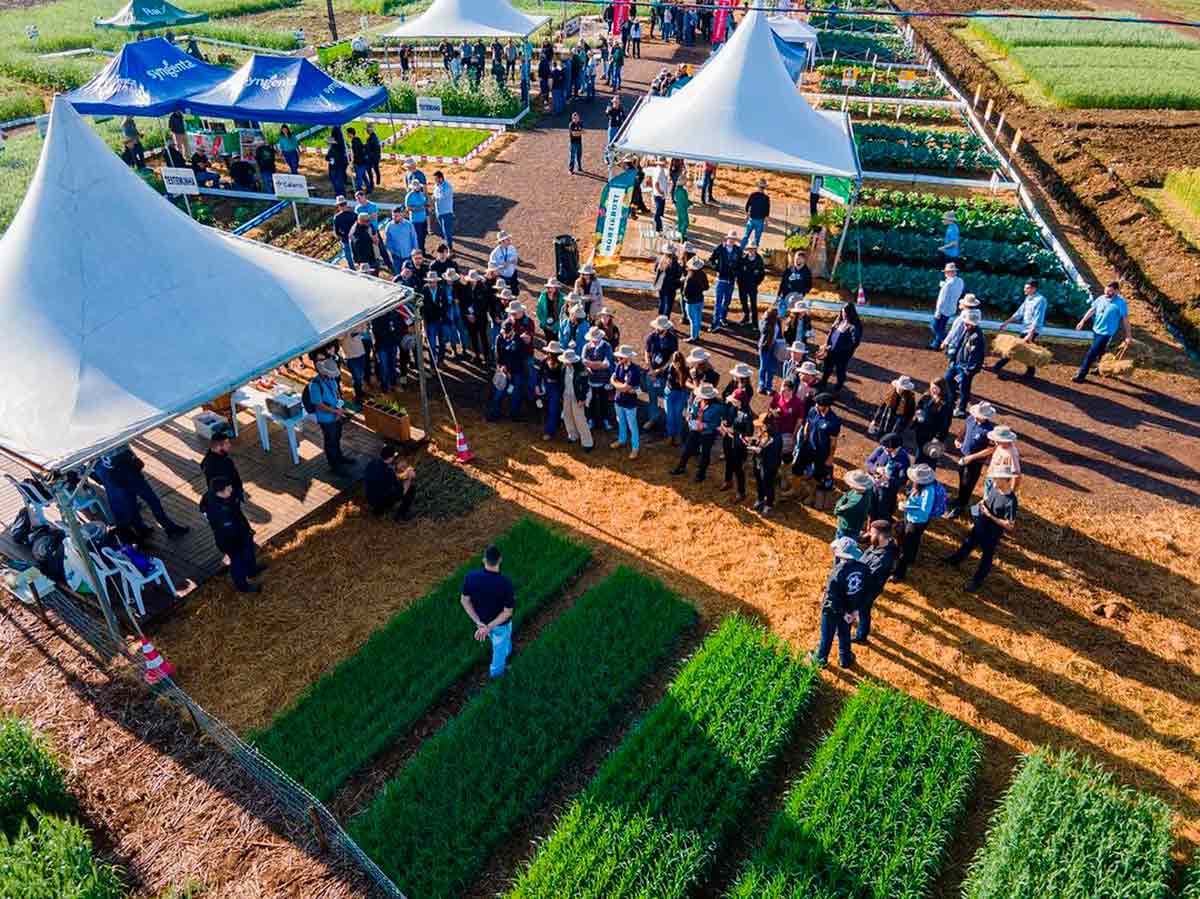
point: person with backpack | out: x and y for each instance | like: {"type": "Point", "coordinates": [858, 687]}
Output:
{"type": "Point", "coordinates": [232, 534]}
{"type": "Point", "coordinates": [322, 397]}
{"type": "Point", "coordinates": [845, 588]}
{"type": "Point", "coordinates": [925, 502]}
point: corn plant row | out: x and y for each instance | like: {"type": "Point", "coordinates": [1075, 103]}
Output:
{"type": "Point", "coordinates": [1064, 300]}
{"type": "Point", "coordinates": [1191, 881]}
{"type": "Point", "coordinates": [1011, 226]}
{"type": "Point", "coordinates": [1064, 829]}
{"type": "Point", "coordinates": [358, 708]}
{"type": "Point", "coordinates": [652, 821]}
{"type": "Point", "coordinates": [999, 257]}
{"type": "Point", "coordinates": [874, 813]}
{"type": "Point", "coordinates": [432, 828]}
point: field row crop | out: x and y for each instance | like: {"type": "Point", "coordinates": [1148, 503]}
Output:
{"type": "Point", "coordinates": [364, 703]}
{"type": "Point", "coordinates": [1011, 226]}
{"type": "Point", "coordinates": [923, 89]}
{"type": "Point", "coordinates": [864, 24]}
{"type": "Point", "coordinates": [1031, 259]}
{"type": "Point", "coordinates": [432, 828]}
{"type": "Point", "coordinates": [865, 47]}
{"type": "Point", "coordinates": [1004, 34]}
{"type": "Point", "coordinates": [1065, 830]}
{"type": "Point", "coordinates": [862, 110]}
{"type": "Point", "coordinates": [874, 812]}
{"type": "Point", "coordinates": [950, 139]}
{"type": "Point", "coordinates": [886, 155]}
{"type": "Point", "coordinates": [1191, 886]}
{"type": "Point", "coordinates": [913, 199]}
{"type": "Point", "coordinates": [654, 818]}
{"type": "Point", "coordinates": [1124, 78]}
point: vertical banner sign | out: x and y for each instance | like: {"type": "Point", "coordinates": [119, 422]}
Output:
{"type": "Point", "coordinates": [614, 213]}
{"type": "Point", "coordinates": [721, 21]}
{"type": "Point", "coordinates": [620, 14]}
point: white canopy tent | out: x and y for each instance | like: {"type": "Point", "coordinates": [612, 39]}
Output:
{"type": "Point", "coordinates": [742, 108]}
{"type": "Point", "coordinates": [140, 314]}
{"type": "Point", "coordinates": [794, 31]}
{"type": "Point", "coordinates": [469, 18]}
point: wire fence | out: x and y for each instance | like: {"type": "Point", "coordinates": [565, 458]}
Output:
{"type": "Point", "coordinates": [295, 801]}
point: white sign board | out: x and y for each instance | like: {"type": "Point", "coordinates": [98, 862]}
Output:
{"type": "Point", "coordinates": [611, 232]}
{"type": "Point", "coordinates": [907, 79]}
{"type": "Point", "coordinates": [290, 185]}
{"type": "Point", "coordinates": [180, 181]}
{"type": "Point", "coordinates": [850, 78]}
{"type": "Point", "coordinates": [429, 107]}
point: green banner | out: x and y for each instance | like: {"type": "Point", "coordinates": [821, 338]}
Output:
{"type": "Point", "coordinates": [613, 215]}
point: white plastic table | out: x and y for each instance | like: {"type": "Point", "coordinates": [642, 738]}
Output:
{"type": "Point", "coordinates": [254, 400]}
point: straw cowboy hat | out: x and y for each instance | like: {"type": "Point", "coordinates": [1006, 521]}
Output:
{"type": "Point", "coordinates": [604, 310]}
{"type": "Point", "coordinates": [328, 368]}
{"type": "Point", "coordinates": [921, 474]}
{"type": "Point", "coordinates": [741, 370]}
{"type": "Point", "coordinates": [506, 294]}
{"type": "Point", "coordinates": [625, 351]}
{"type": "Point", "coordinates": [971, 317]}
{"type": "Point", "coordinates": [587, 269]}
{"type": "Point", "coordinates": [845, 548]}
{"type": "Point", "coordinates": [697, 355]}
{"type": "Point", "coordinates": [696, 263]}
{"type": "Point", "coordinates": [949, 216]}
{"type": "Point", "coordinates": [982, 411]}
{"type": "Point", "coordinates": [553, 348]}
{"type": "Point", "coordinates": [553, 282]}
{"type": "Point", "coordinates": [705, 392]}
{"type": "Point", "coordinates": [570, 357]}
{"type": "Point", "coordinates": [1002, 434]}
{"type": "Point", "coordinates": [574, 297]}
{"type": "Point", "coordinates": [751, 246]}
{"type": "Point", "coordinates": [731, 234]}
{"type": "Point", "coordinates": [594, 333]}
{"type": "Point", "coordinates": [432, 278]}
{"type": "Point", "coordinates": [762, 182]}
{"type": "Point", "coordinates": [799, 347]}
{"type": "Point", "coordinates": [808, 368]}
{"type": "Point", "coordinates": [904, 382]}
{"type": "Point", "coordinates": [503, 236]}
{"type": "Point", "coordinates": [451, 275]}
{"type": "Point", "coordinates": [968, 301]}
{"type": "Point", "coordinates": [516, 306]}
{"type": "Point", "coordinates": [858, 479]}
{"type": "Point", "coordinates": [576, 310]}
{"type": "Point", "coordinates": [473, 275]}
{"type": "Point", "coordinates": [662, 323]}
{"type": "Point", "coordinates": [950, 267]}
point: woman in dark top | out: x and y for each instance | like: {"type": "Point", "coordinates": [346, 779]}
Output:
{"type": "Point", "coordinates": [741, 377]}
{"type": "Point", "coordinates": [932, 420]}
{"type": "Point", "coordinates": [550, 382]}
{"type": "Point", "coordinates": [735, 429]}
{"type": "Point", "coordinates": [668, 276]}
{"type": "Point", "coordinates": [798, 324]}
{"type": "Point", "coordinates": [694, 288]}
{"type": "Point", "coordinates": [797, 278]}
{"type": "Point", "coordinates": [767, 449]}
{"type": "Point", "coordinates": [840, 346]}
{"type": "Point", "coordinates": [575, 142]}
{"type": "Point", "coordinates": [896, 410]}
{"type": "Point", "coordinates": [768, 333]}
{"type": "Point", "coordinates": [677, 393]}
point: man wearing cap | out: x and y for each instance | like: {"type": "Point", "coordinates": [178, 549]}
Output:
{"type": "Point", "coordinates": [1108, 314]}
{"type": "Point", "coordinates": [949, 292]}
{"type": "Point", "coordinates": [457, 294]}
{"type": "Point", "coordinates": [726, 261]}
{"type": "Point", "coordinates": [598, 360]}
{"type": "Point", "coordinates": [950, 249]}
{"type": "Point", "coordinates": [364, 242]}
{"type": "Point", "coordinates": [918, 510]}
{"type": "Point", "coordinates": [504, 260]}
{"type": "Point", "coordinates": [974, 449]}
{"type": "Point", "coordinates": [656, 177]}
{"type": "Point", "coordinates": [703, 418]}
{"type": "Point", "coordinates": [758, 207]}
{"type": "Point", "coordinates": [232, 534]}
{"type": "Point", "coordinates": [1032, 315]}
{"type": "Point", "coordinates": [390, 483]}
{"type": "Point", "coordinates": [326, 395]}
{"type": "Point", "coordinates": [489, 599]}
{"type": "Point", "coordinates": [400, 239]}
{"type": "Point", "coordinates": [217, 463]}
{"type": "Point", "coordinates": [888, 467]}
{"type": "Point", "coordinates": [750, 274]}
{"type": "Point", "coordinates": [968, 360]}
{"type": "Point", "coordinates": [997, 517]}
{"type": "Point", "coordinates": [661, 344]}
{"type": "Point", "coordinates": [818, 442]}
{"type": "Point", "coordinates": [625, 381]}
{"type": "Point", "coordinates": [796, 278]}
{"type": "Point", "coordinates": [880, 559]}
{"type": "Point", "coordinates": [853, 507]}
{"type": "Point", "coordinates": [411, 171]}
{"type": "Point", "coordinates": [847, 584]}
{"type": "Point", "coordinates": [344, 221]}
{"type": "Point", "coordinates": [474, 313]}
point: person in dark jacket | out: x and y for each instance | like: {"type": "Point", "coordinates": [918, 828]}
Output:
{"type": "Point", "coordinates": [361, 162]}
{"type": "Point", "coordinates": [840, 346]}
{"type": "Point", "coordinates": [344, 221]}
{"type": "Point", "coordinates": [796, 278]}
{"type": "Point", "coordinates": [661, 345]}
{"type": "Point", "coordinates": [264, 156]}
{"type": "Point", "coordinates": [390, 483]}
{"type": "Point", "coordinates": [125, 470]}
{"type": "Point", "coordinates": [817, 442]}
{"type": "Point", "coordinates": [702, 420]}
{"type": "Point", "coordinates": [888, 467]}
{"type": "Point", "coordinates": [551, 376]}
{"type": "Point", "coordinates": [435, 310]}
{"type": "Point", "coordinates": [975, 450]}
{"type": "Point", "coordinates": [758, 207]}
{"type": "Point", "coordinates": [668, 277]}
{"type": "Point", "coordinates": [217, 463]}
{"type": "Point", "coordinates": [374, 150]}
{"type": "Point", "coordinates": [232, 534]}
{"type": "Point", "coordinates": [386, 333]}
{"type": "Point", "coordinates": [510, 368]}
{"type": "Point", "coordinates": [997, 517]}
{"type": "Point", "coordinates": [932, 420]}
{"type": "Point", "coordinates": [474, 308]}
{"type": "Point", "coordinates": [736, 427]}
{"type": "Point", "coordinates": [726, 261]}
{"type": "Point", "coordinates": [967, 360]}
{"type": "Point", "coordinates": [847, 585]}
{"type": "Point", "coordinates": [767, 450]}
{"type": "Point", "coordinates": [335, 157]}
{"type": "Point", "coordinates": [363, 239]}
{"type": "Point", "coordinates": [750, 274]}
{"type": "Point", "coordinates": [880, 558]}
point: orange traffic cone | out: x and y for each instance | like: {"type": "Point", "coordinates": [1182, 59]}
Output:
{"type": "Point", "coordinates": [461, 450]}
{"type": "Point", "coordinates": [862, 296]}
{"type": "Point", "coordinates": [156, 666]}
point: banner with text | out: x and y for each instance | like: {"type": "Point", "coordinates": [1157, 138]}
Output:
{"type": "Point", "coordinates": [614, 213]}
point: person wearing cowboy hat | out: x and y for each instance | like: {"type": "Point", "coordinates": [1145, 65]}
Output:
{"type": "Point", "coordinates": [435, 310]}
{"type": "Point", "coordinates": [949, 250]}
{"type": "Point", "coordinates": [897, 408]}
{"type": "Point", "coordinates": [700, 370]}
{"type": "Point", "coordinates": [967, 302]}
{"type": "Point", "coordinates": [888, 467]}
{"type": "Point", "coordinates": [758, 207]}
{"type": "Point", "coordinates": [704, 416]}
{"type": "Point", "coordinates": [575, 400]}
{"type": "Point", "coordinates": [550, 308]}
{"type": "Point", "coordinates": [625, 381]}
{"type": "Point", "coordinates": [741, 376]}
{"type": "Point", "coordinates": [726, 261]}
{"type": "Point", "coordinates": [750, 274]}
{"type": "Point", "coordinates": [504, 259]}
{"type": "Point", "coordinates": [796, 279]}
{"type": "Point", "coordinates": [572, 332]}
{"type": "Point", "coordinates": [598, 360]}
{"type": "Point", "coordinates": [330, 410]}
{"type": "Point", "coordinates": [1006, 455]}
{"type": "Point", "coordinates": [880, 557]}
{"type": "Point", "coordinates": [997, 517]}
{"type": "Point", "coordinates": [808, 383]}
{"type": "Point", "coordinates": [416, 202]}
{"type": "Point", "coordinates": [797, 320]}
{"type": "Point", "coordinates": [661, 344]}
{"type": "Point", "coordinates": [845, 587]}
{"type": "Point", "coordinates": [550, 378]}
{"type": "Point", "coordinates": [974, 449]}
{"type": "Point", "coordinates": [767, 450]}
{"type": "Point", "coordinates": [791, 365]}
{"type": "Point", "coordinates": [919, 508]}
{"type": "Point", "coordinates": [853, 507]}
{"type": "Point", "coordinates": [695, 285]}
{"type": "Point", "coordinates": [817, 443]}
{"type": "Point", "coordinates": [736, 429]}
{"type": "Point", "coordinates": [475, 315]}
{"type": "Point", "coordinates": [587, 285]}
{"type": "Point", "coordinates": [668, 277]}
{"type": "Point", "coordinates": [606, 323]}
{"type": "Point", "coordinates": [526, 331]}
{"type": "Point", "coordinates": [950, 291]}
{"type": "Point", "coordinates": [1032, 314]}
{"type": "Point", "coordinates": [968, 360]}
{"type": "Point", "coordinates": [511, 377]}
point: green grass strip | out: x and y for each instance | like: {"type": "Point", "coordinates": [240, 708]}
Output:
{"type": "Point", "coordinates": [872, 816]}
{"type": "Point", "coordinates": [431, 140]}
{"type": "Point", "coordinates": [1065, 830]}
{"type": "Point", "coordinates": [1184, 186]}
{"type": "Point", "coordinates": [1191, 881]}
{"type": "Point", "coordinates": [359, 707]}
{"type": "Point", "coordinates": [432, 828]}
{"type": "Point", "coordinates": [652, 821]}
{"type": "Point", "coordinates": [30, 775]}
{"type": "Point", "coordinates": [52, 857]}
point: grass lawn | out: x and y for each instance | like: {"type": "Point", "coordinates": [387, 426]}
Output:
{"type": "Point", "coordinates": [1008, 33]}
{"type": "Point", "coordinates": [320, 138]}
{"type": "Point", "coordinates": [434, 140]}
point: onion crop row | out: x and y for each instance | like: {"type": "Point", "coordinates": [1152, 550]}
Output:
{"type": "Point", "coordinates": [874, 813]}
{"type": "Point", "coordinates": [654, 818]}
{"type": "Point", "coordinates": [1066, 830]}
{"type": "Point", "coordinates": [432, 827]}
{"type": "Point", "coordinates": [358, 708]}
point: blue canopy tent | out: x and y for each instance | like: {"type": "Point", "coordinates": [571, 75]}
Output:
{"type": "Point", "coordinates": [147, 78]}
{"type": "Point", "coordinates": [794, 56]}
{"type": "Point", "coordinates": [285, 89]}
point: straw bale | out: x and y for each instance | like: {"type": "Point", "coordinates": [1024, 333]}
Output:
{"type": "Point", "coordinates": [1010, 346]}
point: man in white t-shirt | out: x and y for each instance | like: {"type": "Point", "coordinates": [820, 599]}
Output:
{"type": "Point", "coordinates": [949, 293]}
{"type": "Point", "coordinates": [659, 183]}
{"type": "Point", "coordinates": [504, 259]}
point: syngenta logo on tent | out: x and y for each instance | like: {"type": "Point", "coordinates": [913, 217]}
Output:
{"type": "Point", "coordinates": [170, 69]}
{"type": "Point", "coordinates": [154, 10]}
{"type": "Point", "coordinates": [273, 83]}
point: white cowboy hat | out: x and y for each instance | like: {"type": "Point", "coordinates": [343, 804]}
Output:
{"type": "Point", "coordinates": [808, 368]}
{"type": "Point", "coordinates": [451, 275]}
{"type": "Point", "coordinates": [982, 411]}
{"type": "Point", "coordinates": [604, 310]}
{"type": "Point", "coordinates": [697, 355]}
{"type": "Point", "coordinates": [969, 301]}
{"type": "Point", "coordinates": [950, 267]}
{"type": "Point", "coordinates": [971, 317]}
{"type": "Point", "coordinates": [706, 392]}
{"type": "Point", "coordinates": [949, 216]}
{"type": "Point", "coordinates": [569, 356]}
{"type": "Point", "coordinates": [587, 269]}
{"type": "Point", "coordinates": [798, 347]}
{"type": "Point", "coordinates": [575, 297]}
{"type": "Point", "coordinates": [473, 275]}
{"type": "Point", "coordinates": [904, 382]}
{"type": "Point", "coordinates": [662, 323]}
{"type": "Point", "coordinates": [751, 246]}
{"type": "Point", "coordinates": [503, 236]}
{"type": "Point", "coordinates": [731, 234]}
{"type": "Point", "coordinates": [432, 278]}
{"type": "Point", "coordinates": [506, 294]}
{"type": "Point", "coordinates": [553, 348]}
{"type": "Point", "coordinates": [845, 548]}
{"type": "Point", "coordinates": [516, 306]}
{"type": "Point", "coordinates": [858, 479]}
{"type": "Point", "coordinates": [741, 370]}
{"type": "Point", "coordinates": [696, 263]}
{"type": "Point", "coordinates": [553, 282]}
{"type": "Point", "coordinates": [921, 474]}
{"type": "Point", "coordinates": [1002, 434]}
{"type": "Point", "coordinates": [625, 351]}
{"type": "Point", "coordinates": [594, 334]}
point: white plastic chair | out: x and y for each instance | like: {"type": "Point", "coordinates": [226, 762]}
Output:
{"type": "Point", "coordinates": [38, 499]}
{"type": "Point", "coordinates": [104, 571]}
{"type": "Point", "coordinates": [132, 580]}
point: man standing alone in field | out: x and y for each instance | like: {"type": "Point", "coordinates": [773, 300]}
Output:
{"type": "Point", "coordinates": [489, 599]}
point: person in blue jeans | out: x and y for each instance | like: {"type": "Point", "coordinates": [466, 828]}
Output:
{"type": "Point", "coordinates": [845, 589]}
{"type": "Point", "coordinates": [676, 394]}
{"type": "Point", "coordinates": [625, 381]}
{"type": "Point", "coordinates": [551, 379]}
{"type": "Point", "coordinates": [489, 600]}
{"type": "Point", "coordinates": [1108, 314]}
{"type": "Point", "coordinates": [726, 261]}
{"type": "Point", "coordinates": [435, 309]}
{"type": "Point", "coordinates": [575, 143]}
{"type": "Point", "coordinates": [694, 288]}
{"type": "Point", "coordinates": [768, 333]}
{"type": "Point", "coordinates": [326, 396]}
{"type": "Point", "coordinates": [758, 207]}
{"type": "Point", "coordinates": [511, 378]}
{"type": "Point", "coordinates": [443, 206]}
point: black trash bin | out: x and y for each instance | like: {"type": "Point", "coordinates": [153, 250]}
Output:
{"type": "Point", "coordinates": [566, 259]}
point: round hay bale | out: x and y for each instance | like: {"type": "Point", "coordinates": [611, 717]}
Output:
{"type": "Point", "coordinates": [1010, 346]}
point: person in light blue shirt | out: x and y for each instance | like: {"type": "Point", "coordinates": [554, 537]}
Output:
{"type": "Point", "coordinates": [1032, 315]}
{"type": "Point", "coordinates": [330, 412]}
{"type": "Point", "coordinates": [415, 202]}
{"type": "Point", "coordinates": [1108, 315]}
{"type": "Point", "coordinates": [400, 238]}
{"type": "Point", "coordinates": [443, 207]}
{"type": "Point", "coordinates": [918, 510]}
{"type": "Point", "coordinates": [951, 247]}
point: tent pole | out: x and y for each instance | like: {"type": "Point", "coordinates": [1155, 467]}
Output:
{"type": "Point", "coordinates": [421, 341]}
{"type": "Point", "coordinates": [837, 257]}
{"type": "Point", "coordinates": [391, 118]}
{"type": "Point", "coordinates": [67, 509]}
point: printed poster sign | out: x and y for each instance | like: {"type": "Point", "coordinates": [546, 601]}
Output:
{"type": "Point", "coordinates": [610, 234]}
{"type": "Point", "coordinates": [290, 185]}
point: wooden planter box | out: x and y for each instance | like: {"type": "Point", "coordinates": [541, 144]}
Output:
{"type": "Point", "coordinates": [397, 428]}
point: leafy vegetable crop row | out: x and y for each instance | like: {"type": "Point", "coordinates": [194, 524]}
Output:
{"type": "Point", "coordinates": [873, 815]}
{"type": "Point", "coordinates": [977, 255]}
{"type": "Point", "coordinates": [925, 137]}
{"type": "Point", "coordinates": [653, 820]}
{"type": "Point", "coordinates": [1191, 885]}
{"type": "Point", "coordinates": [363, 704]}
{"type": "Point", "coordinates": [432, 827]}
{"type": "Point", "coordinates": [863, 46]}
{"type": "Point", "coordinates": [1065, 830]}
{"type": "Point", "coordinates": [889, 155]}
{"type": "Point", "coordinates": [923, 89]}
{"type": "Point", "coordinates": [866, 24]}
{"type": "Point", "coordinates": [912, 199]}
{"type": "Point", "coordinates": [1012, 226]}
{"type": "Point", "coordinates": [858, 111]}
